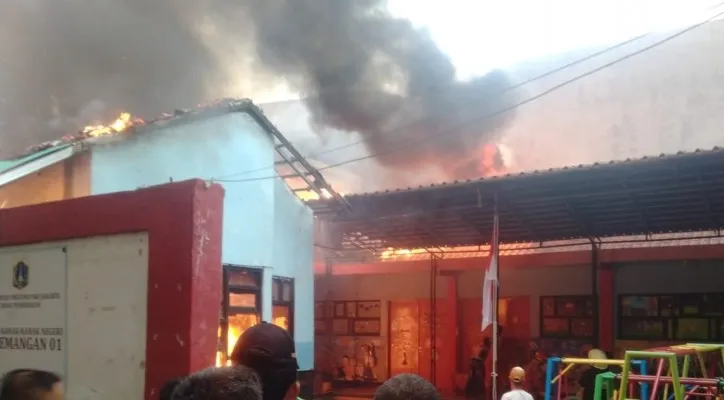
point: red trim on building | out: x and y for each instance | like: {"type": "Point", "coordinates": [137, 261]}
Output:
{"type": "Point", "coordinates": [183, 221]}
{"type": "Point", "coordinates": [606, 304]}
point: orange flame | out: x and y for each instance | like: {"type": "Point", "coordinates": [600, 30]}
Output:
{"type": "Point", "coordinates": [123, 122]}
{"type": "Point", "coordinates": [494, 160]}
{"type": "Point", "coordinates": [391, 253]}
{"type": "Point", "coordinates": [309, 195]}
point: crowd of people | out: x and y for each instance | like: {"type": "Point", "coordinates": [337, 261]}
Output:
{"type": "Point", "coordinates": [264, 367]}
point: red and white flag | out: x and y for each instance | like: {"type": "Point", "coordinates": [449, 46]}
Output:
{"type": "Point", "coordinates": [490, 281]}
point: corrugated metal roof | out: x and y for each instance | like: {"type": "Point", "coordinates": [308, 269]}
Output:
{"type": "Point", "coordinates": [535, 173]}
{"type": "Point", "coordinates": [682, 192]}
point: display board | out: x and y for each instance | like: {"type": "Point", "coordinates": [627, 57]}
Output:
{"type": "Point", "coordinates": [568, 317]}
{"type": "Point", "coordinates": [672, 317]}
{"type": "Point", "coordinates": [33, 323]}
{"type": "Point", "coordinates": [349, 318]}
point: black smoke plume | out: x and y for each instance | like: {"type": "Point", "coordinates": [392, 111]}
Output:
{"type": "Point", "coordinates": [364, 70]}
{"type": "Point", "coordinates": [64, 62]}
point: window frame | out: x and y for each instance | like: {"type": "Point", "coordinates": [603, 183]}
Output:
{"type": "Point", "coordinates": [570, 336]}
{"type": "Point", "coordinates": [278, 298]}
{"type": "Point", "coordinates": [227, 309]}
{"type": "Point", "coordinates": [670, 323]}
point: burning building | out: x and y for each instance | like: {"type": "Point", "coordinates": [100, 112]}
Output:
{"type": "Point", "coordinates": [267, 229]}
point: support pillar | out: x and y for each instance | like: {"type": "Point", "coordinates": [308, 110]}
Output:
{"type": "Point", "coordinates": [447, 367]}
{"type": "Point", "coordinates": [606, 304]}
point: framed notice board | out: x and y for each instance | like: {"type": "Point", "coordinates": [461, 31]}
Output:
{"type": "Point", "coordinates": [568, 317]}
{"type": "Point", "coordinates": [353, 317]}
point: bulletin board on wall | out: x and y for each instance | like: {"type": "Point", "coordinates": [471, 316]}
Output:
{"type": "Point", "coordinates": [348, 318]}
{"type": "Point", "coordinates": [323, 311]}
{"type": "Point", "coordinates": [357, 318]}
{"type": "Point", "coordinates": [568, 317]}
{"type": "Point", "coordinates": [671, 317]}
{"type": "Point", "coordinates": [355, 353]}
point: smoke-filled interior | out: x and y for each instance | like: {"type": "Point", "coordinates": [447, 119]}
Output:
{"type": "Point", "coordinates": [67, 63]}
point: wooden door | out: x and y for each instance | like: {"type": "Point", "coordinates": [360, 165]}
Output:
{"type": "Point", "coordinates": [443, 345]}
{"type": "Point", "coordinates": [404, 337]}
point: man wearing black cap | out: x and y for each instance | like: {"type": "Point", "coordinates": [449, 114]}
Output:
{"type": "Point", "coordinates": [269, 350]}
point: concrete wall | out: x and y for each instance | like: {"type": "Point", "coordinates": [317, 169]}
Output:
{"type": "Point", "coordinates": [699, 276]}
{"type": "Point", "coordinates": [635, 277]}
{"type": "Point", "coordinates": [528, 281]}
{"type": "Point", "coordinates": [265, 225]}
{"type": "Point", "coordinates": [64, 180]}
{"type": "Point", "coordinates": [206, 148]}
{"type": "Point", "coordinates": [534, 282]}
{"type": "Point", "coordinates": [293, 257]}
{"type": "Point", "coordinates": [101, 283]}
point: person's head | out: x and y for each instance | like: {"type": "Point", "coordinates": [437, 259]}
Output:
{"type": "Point", "coordinates": [31, 384]}
{"type": "Point", "coordinates": [598, 354]}
{"type": "Point", "coordinates": [407, 387]}
{"type": "Point", "coordinates": [225, 383]}
{"type": "Point", "coordinates": [168, 388]}
{"type": "Point", "coordinates": [517, 377]}
{"type": "Point", "coordinates": [345, 361]}
{"type": "Point", "coordinates": [269, 350]}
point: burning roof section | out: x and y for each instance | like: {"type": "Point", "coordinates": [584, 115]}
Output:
{"type": "Point", "coordinates": [574, 206]}
{"type": "Point", "coordinates": [302, 178]}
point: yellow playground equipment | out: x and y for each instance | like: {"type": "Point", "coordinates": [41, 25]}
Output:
{"type": "Point", "coordinates": [557, 369]}
{"type": "Point", "coordinates": [673, 370]}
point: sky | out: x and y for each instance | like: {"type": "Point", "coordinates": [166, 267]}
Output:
{"type": "Point", "coordinates": [484, 34]}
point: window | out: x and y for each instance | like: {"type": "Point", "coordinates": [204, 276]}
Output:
{"type": "Point", "coordinates": [568, 317]}
{"type": "Point", "coordinates": [240, 308]}
{"type": "Point", "coordinates": [283, 303]}
{"type": "Point", "coordinates": [672, 317]}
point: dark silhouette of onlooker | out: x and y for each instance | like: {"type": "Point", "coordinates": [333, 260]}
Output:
{"type": "Point", "coordinates": [225, 383]}
{"type": "Point", "coordinates": [407, 387]}
{"type": "Point", "coordinates": [168, 388]}
{"type": "Point", "coordinates": [269, 350]}
{"type": "Point", "coordinates": [31, 384]}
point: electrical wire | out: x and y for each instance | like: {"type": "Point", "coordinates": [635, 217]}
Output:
{"type": "Point", "coordinates": [498, 112]}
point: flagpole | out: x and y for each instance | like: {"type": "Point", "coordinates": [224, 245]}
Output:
{"type": "Point", "coordinates": [494, 253]}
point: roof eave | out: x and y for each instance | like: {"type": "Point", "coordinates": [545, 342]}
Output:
{"type": "Point", "coordinates": [36, 165]}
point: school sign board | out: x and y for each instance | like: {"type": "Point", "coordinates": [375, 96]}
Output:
{"type": "Point", "coordinates": [33, 327]}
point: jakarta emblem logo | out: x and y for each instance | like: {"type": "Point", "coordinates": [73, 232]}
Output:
{"type": "Point", "coordinates": [21, 271]}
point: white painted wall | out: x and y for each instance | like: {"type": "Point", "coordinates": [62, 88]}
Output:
{"type": "Point", "coordinates": [207, 148]}
{"type": "Point", "coordinates": [293, 257]}
{"type": "Point", "coordinates": [265, 225]}
{"type": "Point", "coordinates": [103, 282]}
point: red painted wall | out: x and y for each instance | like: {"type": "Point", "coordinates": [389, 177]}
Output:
{"type": "Point", "coordinates": [183, 221]}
